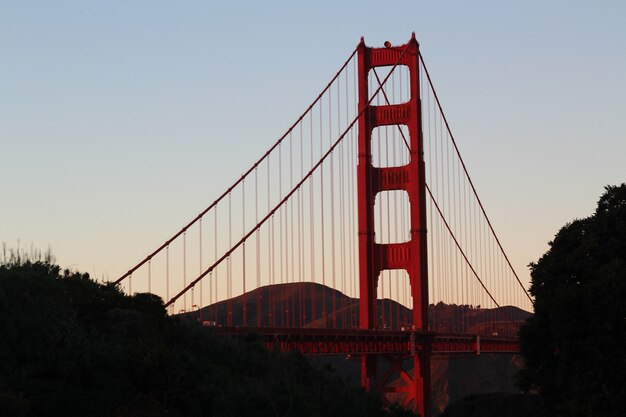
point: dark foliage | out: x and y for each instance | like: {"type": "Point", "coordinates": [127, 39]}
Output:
{"type": "Point", "coordinates": [495, 405]}
{"type": "Point", "coordinates": [575, 344]}
{"type": "Point", "coordinates": [72, 347]}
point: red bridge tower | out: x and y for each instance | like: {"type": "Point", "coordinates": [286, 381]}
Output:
{"type": "Point", "coordinates": [410, 255]}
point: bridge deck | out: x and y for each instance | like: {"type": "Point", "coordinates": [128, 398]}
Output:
{"type": "Point", "coordinates": [310, 341]}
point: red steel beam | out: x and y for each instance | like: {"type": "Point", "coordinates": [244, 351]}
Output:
{"type": "Point", "coordinates": [368, 342]}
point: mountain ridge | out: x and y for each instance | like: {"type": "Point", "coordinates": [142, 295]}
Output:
{"type": "Point", "coordinates": [318, 306]}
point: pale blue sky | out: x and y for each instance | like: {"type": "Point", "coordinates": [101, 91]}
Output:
{"type": "Point", "coordinates": [120, 121]}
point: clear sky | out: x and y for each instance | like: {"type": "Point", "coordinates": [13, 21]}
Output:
{"type": "Point", "coordinates": [121, 120]}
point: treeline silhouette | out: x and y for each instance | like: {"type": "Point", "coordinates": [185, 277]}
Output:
{"type": "Point", "coordinates": [71, 346]}
{"type": "Point", "coordinates": [574, 346]}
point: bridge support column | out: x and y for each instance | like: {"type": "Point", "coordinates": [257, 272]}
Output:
{"type": "Point", "coordinates": [399, 386]}
{"type": "Point", "coordinates": [368, 372]}
{"type": "Point", "coordinates": [411, 255]}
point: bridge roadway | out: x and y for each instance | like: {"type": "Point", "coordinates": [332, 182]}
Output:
{"type": "Point", "coordinates": [313, 341]}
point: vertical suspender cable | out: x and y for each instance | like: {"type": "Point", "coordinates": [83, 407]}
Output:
{"type": "Point", "coordinates": [300, 236]}
{"type": "Point", "coordinates": [342, 198]}
{"type": "Point", "coordinates": [312, 230]}
{"type": "Point", "coordinates": [292, 242]}
{"type": "Point", "coordinates": [167, 272]}
{"type": "Point", "coordinates": [342, 96]}
{"type": "Point", "coordinates": [229, 263]}
{"type": "Point", "coordinates": [150, 275]}
{"type": "Point", "coordinates": [200, 305]}
{"type": "Point", "coordinates": [215, 276]}
{"type": "Point", "coordinates": [332, 212]}
{"type": "Point", "coordinates": [185, 268]}
{"type": "Point", "coordinates": [243, 251]}
{"type": "Point", "coordinates": [281, 312]}
{"type": "Point", "coordinates": [259, 318]}
{"type": "Point", "coordinates": [270, 243]}
{"type": "Point", "coordinates": [322, 224]}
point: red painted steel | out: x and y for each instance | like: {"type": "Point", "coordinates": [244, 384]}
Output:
{"type": "Point", "coordinates": [391, 344]}
{"type": "Point", "coordinates": [412, 255]}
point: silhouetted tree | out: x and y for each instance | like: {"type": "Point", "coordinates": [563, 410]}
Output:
{"type": "Point", "coordinates": [575, 344]}
{"type": "Point", "coordinates": [70, 346]}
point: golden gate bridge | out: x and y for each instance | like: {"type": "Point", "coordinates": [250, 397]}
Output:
{"type": "Point", "coordinates": [359, 232]}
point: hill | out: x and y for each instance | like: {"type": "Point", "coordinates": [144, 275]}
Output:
{"type": "Point", "coordinates": [315, 305]}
